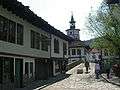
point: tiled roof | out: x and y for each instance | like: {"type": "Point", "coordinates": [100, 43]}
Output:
{"type": "Point", "coordinates": [24, 12]}
{"type": "Point", "coordinates": [76, 43]}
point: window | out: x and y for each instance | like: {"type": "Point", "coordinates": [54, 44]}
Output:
{"type": "Point", "coordinates": [64, 49]}
{"type": "Point", "coordinates": [19, 34]}
{"type": "Point", "coordinates": [7, 69]}
{"type": "Point", "coordinates": [78, 52]}
{"type": "Point", "coordinates": [68, 52]}
{"type": "Point", "coordinates": [35, 40]}
{"type": "Point", "coordinates": [44, 42]}
{"type": "Point", "coordinates": [29, 69]}
{"type": "Point", "coordinates": [32, 39]}
{"type": "Point", "coordinates": [1, 27]}
{"type": "Point", "coordinates": [1, 69]}
{"type": "Point", "coordinates": [56, 46]}
{"type": "Point", "coordinates": [4, 27]}
{"type": "Point", "coordinates": [8, 31]}
{"type": "Point", "coordinates": [12, 32]}
{"type": "Point", "coordinates": [73, 52]}
{"type": "Point", "coordinates": [5, 30]}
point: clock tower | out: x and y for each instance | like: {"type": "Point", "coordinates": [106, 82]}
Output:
{"type": "Point", "coordinates": [73, 32]}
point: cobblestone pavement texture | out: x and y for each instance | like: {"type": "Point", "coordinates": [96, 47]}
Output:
{"type": "Point", "coordinates": [81, 81]}
{"type": "Point", "coordinates": [113, 79]}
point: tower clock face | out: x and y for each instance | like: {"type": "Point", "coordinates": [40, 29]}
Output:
{"type": "Point", "coordinates": [72, 24]}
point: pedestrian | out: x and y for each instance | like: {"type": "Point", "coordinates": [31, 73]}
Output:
{"type": "Point", "coordinates": [97, 70]}
{"type": "Point", "coordinates": [87, 65]}
{"type": "Point", "coordinates": [108, 68]}
{"type": "Point", "coordinates": [111, 71]}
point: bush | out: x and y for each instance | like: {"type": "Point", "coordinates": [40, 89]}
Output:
{"type": "Point", "coordinates": [116, 69]}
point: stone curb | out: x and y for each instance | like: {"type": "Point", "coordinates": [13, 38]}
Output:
{"type": "Point", "coordinates": [110, 81]}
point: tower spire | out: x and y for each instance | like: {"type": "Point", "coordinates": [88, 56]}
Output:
{"type": "Point", "coordinates": [72, 22]}
{"type": "Point", "coordinates": [72, 19]}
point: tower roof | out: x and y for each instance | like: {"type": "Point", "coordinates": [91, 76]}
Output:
{"type": "Point", "coordinates": [72, 19]}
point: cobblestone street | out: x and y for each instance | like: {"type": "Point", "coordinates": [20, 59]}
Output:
{"type": "Point", "coordinates": [81, 81]}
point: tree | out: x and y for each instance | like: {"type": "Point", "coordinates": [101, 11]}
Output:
{"type": "Point", "coordinates": [105, 25]}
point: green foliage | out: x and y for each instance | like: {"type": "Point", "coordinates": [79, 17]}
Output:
{"type": "Point", "coordinates": [105, 25]}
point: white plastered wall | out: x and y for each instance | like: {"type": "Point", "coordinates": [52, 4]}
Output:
{"type": "Point", "coordinates": [25, 49]}
{"type": "Point", "coordinates": [60, 54]}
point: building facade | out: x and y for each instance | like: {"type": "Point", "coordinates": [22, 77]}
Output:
{"type": "Point", "coordinates": [59, 49]}
{"type": "Point", "coordinates": [76, 48]}
{"type": "Point", "coordinates": [30, 48]}
{"type": "Point", "coordinates": [98, 54]}
{"type": "Point", "coordinates": [76, 51]}
{"type": "Point", "coordinates": [94, 55]}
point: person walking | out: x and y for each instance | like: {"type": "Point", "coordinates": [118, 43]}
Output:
{"type": "Point", "coordinates": [97, 70]}
{"type": "Point", "coordinates": [87, 65]}
{"type": "Point", "coordinates": [108, 68]}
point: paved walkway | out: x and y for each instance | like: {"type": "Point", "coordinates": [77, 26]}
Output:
{"type": "Point", "coordinates": [113, 79]}
{"type": "Point", "coordinates": [81, 81]}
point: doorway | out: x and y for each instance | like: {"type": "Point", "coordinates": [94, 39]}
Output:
{"type": "Point", "coordinates": [18, 72]}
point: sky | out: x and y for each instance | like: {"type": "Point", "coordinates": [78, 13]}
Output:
{"type": "Point", "coordinates": [58, 13]}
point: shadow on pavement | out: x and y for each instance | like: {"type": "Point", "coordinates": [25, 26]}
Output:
{"type": "Point", "coordinates": [51, 81]}
{"type": "Point", "coordinates": [40, 84]}
{"type": "Point", "coordinates": [87, 72]}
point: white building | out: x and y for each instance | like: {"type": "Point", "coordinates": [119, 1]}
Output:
{"type": "Point", "coordinates": [92, 54]}
{"type": "Point", "coordinates": [30, 48]}
{"type": "Point", "coordinates": [76, 48]}
{"type": "Point", "coordinates": [59, 49]}
{"type": "Point", "coordinates": [98, 53]}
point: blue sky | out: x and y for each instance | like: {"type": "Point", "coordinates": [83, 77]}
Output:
{"type": "Point", "coordinates": [58, 13]}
